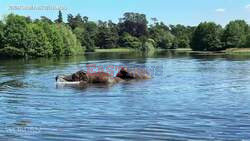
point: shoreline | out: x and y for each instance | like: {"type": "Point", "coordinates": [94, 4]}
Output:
{"type": "Point", "coordinates": [230, 51]}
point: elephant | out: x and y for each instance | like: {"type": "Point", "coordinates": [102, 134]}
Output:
{"type": "Point", "coordinates": [133, 74]}
{"type": "Point", "coordinates": [84, 78]}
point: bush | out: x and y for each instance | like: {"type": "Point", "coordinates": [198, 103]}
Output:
{"type": "Point", "coordinates": [149, 45]}
{"type": "Point", "coordinates": [71, 45]}
{"type": "Point", "coordinates": [54, 37]}
{"type": "Point", "coordinates": [22, 37]}
{"type": "Point", "coordinates": [40, 44]}
{"type": "Point", "coordinates": [17, 32]}
{"type": "Point", "coordinates": [1, 34]}
{"type": "Point", "coordinates": [130, 42]}
{"type": "Point", "coordinates": [11, 52]}
{"type": "Point", "coordinates": [247, 41]}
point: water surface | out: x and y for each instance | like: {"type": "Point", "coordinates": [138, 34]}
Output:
{"type": "Point", "coordinates": [189, 98]}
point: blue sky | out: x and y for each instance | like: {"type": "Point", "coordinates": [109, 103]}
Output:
{"type": "Point", "coordinates": [187, 12]}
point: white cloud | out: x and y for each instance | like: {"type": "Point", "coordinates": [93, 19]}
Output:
{"type": "Point", "coordinates": [221, 10]}
{"type": "Point", "coordinates": [247, 6]}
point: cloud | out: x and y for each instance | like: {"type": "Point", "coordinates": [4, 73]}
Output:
{"type": "Point", "coordinates": [247, 6]}
{"type": "Point", "coordinates": [221, 10]}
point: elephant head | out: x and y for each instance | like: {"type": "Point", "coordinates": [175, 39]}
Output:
{"type": "Point", "coordinates": [75, 77]}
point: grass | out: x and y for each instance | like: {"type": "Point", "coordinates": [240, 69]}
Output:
{"type": "Point", "coordinates": [230, 51]}
{"type": "Point", "coordinates": [238, 51]}
{"type": "Point", "coordinates": [115, 50]}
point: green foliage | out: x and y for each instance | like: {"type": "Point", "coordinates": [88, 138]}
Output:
{"type": "Point", "coordinates": [39, 45]}
{"type": "Point", "coordinates": [183, 35]}
{"type": "Point", "coordinates": [11, 52]}
{"type": "Point", "coordinates": [183, 42]}
{"type": "Point", "coordinates": [1, 34]}
{"type": "Point", "coordinates": [130, 41]}
{"type": "Point", "coordinates": [60, 18]}
{"type": "Point", "coordinates": [46, 20]}
{"type": "Point", "coordinates": [207, 37]}
{"type": "Point", "coordinates": [76, 21]}
{"type": "Point", "coordinates": [247, 41]}
{"type": "Point", "coordinates": [23, 37]}
{"type": "Point", "coordinates": [166, 41]}
{"type": "Point", "coordinates": [84, 38]}
{"type": "Point", "coordinates": [17, 32]}
{"type": "Point", "coordinates": [88, 43]}
{"type": "Point", "coordinates": [148, 45]}
{"type": "Point", "coordinates": [133, 23]}
{"type": "Point", "coordinates": [107, 36]}
{"type": "Point", "coordinates": [90, 34]}
{"type": "Point", "coordinates": [55, 38]}
{"type": "Point", "coordinates": [161, 35]}
{"type": "Point", "coordinates": [71, 45]}
{"type": "Point", "coordinates": [235, 34]}
{"type": "Point", "coordinates": [85, 31]}
{"type": "Point", "coordinates": [19, 36]}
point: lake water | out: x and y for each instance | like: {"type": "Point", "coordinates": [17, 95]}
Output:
{"type": "Point", "coordinates": [190, 97]}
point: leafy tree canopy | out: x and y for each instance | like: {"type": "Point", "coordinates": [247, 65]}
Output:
{"type": "Point", "coordinates": [207, 37]}
{"type": "Point", "coordinates": [235, 34]}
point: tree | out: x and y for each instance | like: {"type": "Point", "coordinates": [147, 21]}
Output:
{"type": "Point", "coordinates": [183, 35]}
{"type": "Point", "coordinates": [88, 43]}
{"type": "Point", "coordinates": [46, 19]}
{"type": "Point", "coordinates": [17, 33]}
{"type": "Point", "coordinates": [235, 34]}
{"type": "Point", "coordinates": [107, 35]}
{"type": "Point", "coordinates": [207, 37]}
{"type": "Point", "coordinates": [155, 20]}
{"type": "Point", "coordinates": [161, 35]}
{"type": "Point", "coordinates": [60, 18]}
{"type": "Point", "coordinates": [91, 29]}
{"type": "Point", "coordinates": [40, 45]}
{"type": "Point", "coordinates": [147, 44]}
{"type": "Point", "coordinates": [21, 37]}
{"type": "Point", "coordinates": [84, 30]}
{"type": "Point", "coordinates": [133, 23]}
{"type": "Point", "coordinates": [71, 45]}
{"type": "Point", "coordinates": [1, 34]}
{"type": "Point", "coordinates": [85, 19]}
{"type": "Point", "coordinates": [247, 41]}
{"type": "Point", "coordinates": [76, 21]}
{"type": "Point", "coordinates": [54, 37]}
{"type": "Point", "coordinates": [84, 38]}
{"type": "Point", "coordinates": [129, 41]}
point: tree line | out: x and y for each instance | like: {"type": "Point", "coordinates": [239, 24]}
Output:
{"type": "Point", "coordinates": [21, 36]}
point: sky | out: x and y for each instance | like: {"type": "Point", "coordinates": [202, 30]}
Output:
{"type": "Point", "coordinates": [187, 12]}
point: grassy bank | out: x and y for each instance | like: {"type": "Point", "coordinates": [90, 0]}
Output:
{"type": "Point", "coordinates": [231, 51]}
{"type": "Point", "coordinates": [238, 51]}
{"type": "Point", "coordinates": [115, 50]}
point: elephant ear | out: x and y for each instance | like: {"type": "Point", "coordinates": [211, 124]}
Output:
{"type": "Point", "coordinates": [80, 76]}
{"type": "Point", "coordinates": [124, 71]}
{"type": "Point", "coordinates": [83, 75]}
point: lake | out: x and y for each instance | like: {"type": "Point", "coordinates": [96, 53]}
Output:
{"type": "Point", "coordinates": [191, 97]}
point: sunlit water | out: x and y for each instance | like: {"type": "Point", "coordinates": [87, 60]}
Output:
{"type": "Point", "coordinates": [189, 98]}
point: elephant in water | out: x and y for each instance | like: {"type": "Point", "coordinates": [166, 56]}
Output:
{"type": "Point", "coordinates": [88, 78]}
{"type": "Point", "coordinates": [84, 78]}
{"type": "Point", "coordinates": [133, 74]}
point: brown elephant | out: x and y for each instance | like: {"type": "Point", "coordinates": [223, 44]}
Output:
{"type": "Point", "coordinates": [88, 78]}
{"type": "Point", "coordinates": [133, 74]}
{"type": "Point", "coordinates": [84, 78]}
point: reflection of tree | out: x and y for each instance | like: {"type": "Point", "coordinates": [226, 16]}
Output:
{"type": "Point", "coordinates": [19, 67]}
